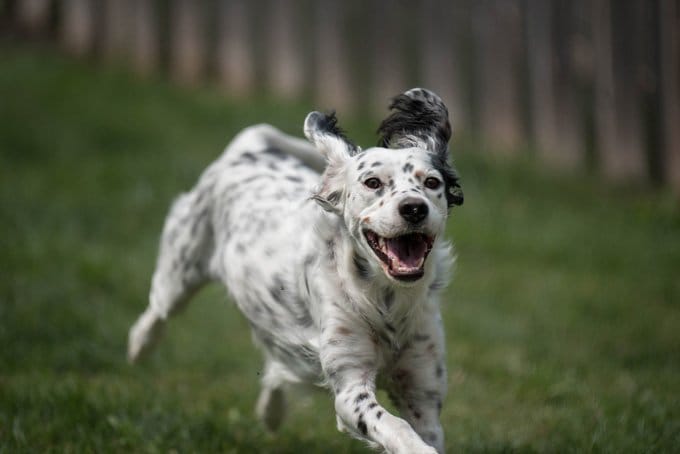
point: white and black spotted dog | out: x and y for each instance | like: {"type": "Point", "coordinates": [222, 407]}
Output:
{"type": "Point", "coordinates": [338, 273]}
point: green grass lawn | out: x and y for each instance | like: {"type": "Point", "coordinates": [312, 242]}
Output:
{"type": "Point", "coordinates": [563, 317]}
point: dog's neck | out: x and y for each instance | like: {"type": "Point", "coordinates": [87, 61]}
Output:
{"type": "Point", "coordinates": [390, 309]}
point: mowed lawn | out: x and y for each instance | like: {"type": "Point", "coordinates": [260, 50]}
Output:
{"type": "Point", "coordinates": [563, 316]}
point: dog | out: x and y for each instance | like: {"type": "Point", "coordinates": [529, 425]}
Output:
{"type": "Point", "coordinates": [336, 257]}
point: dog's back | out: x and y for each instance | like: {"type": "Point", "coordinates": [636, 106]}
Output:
{"type": "Point", "coordinates": [243, 224]}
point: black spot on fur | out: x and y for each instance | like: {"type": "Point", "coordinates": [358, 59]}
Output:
{"type": "Point", "coordinates": [376, 164]}
{"type": "Point", "coordinates": [390, 327]}
{"type": "Point", "coordinates": [361, 267]}
{"type": "Point", "coordinates": [388, 298]}
{"type": "Point", "coordinates": [361, 425]}
{"type": "Point", "coordinates": [372, 405]}
{"type": "Point", "coordinates": [439, 371]}
{"type": "Point", "coordinates": [408, 167]}
{"type": "Point", "coordinates": [276, 152]}
{"type": "Point", "coordinates": [360, 397]}
{"type": "Point", "coordinates": [334, 197]}
{"type": "Point", "coordinates": [248, 157]}
{"type": "Point", "coordinates": [294, 179]}
{"type": "Point", "coordinates": [421, 337]}
{"type": "Point", "coordinates": [379, 414]}
{"type": "Point", "coordinates": [361, 165]}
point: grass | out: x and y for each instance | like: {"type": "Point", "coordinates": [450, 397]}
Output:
{"type": "Point", "coordinates": [563, 319]}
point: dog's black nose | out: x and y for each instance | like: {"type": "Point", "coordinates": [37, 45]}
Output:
{"type": "Point", "coordinates": [413, 210]}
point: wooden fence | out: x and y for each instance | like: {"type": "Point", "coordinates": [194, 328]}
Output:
{"type": "Point", "coordinates": [586, 83]}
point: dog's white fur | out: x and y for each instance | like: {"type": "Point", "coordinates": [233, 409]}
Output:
{"type": "Point", "coordinates": [321, 304]}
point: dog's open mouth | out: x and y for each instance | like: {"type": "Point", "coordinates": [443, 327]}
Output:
{"type": "Point", "coordinates": [403, 256]}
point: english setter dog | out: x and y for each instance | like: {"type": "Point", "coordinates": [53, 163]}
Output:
{"type": "Point", "coordinates": [336, 256]}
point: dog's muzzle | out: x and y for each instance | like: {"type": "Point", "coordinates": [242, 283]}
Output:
{"type": "Point", "coordinates": [403, 257]}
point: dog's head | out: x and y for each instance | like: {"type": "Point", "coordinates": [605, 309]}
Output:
{"type": "Point", "coordinates": [394, 198]}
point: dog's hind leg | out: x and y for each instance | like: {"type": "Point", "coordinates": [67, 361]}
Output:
{"type": "Point", "coordinates": [182, 268]}
{"type": "Point", "coordinates": [271, 404]}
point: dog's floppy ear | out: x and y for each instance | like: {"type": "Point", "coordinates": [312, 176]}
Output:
{"type": "Point", "coordinates": [323, 131]}
{"type": "Point", "coordinates": [420, 119]}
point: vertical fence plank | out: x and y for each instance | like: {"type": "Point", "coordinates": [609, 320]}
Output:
{"type": "Point", "coordinates": [235, 62]}
{"type": "Point", "coordinates": [539, 22]}
{"type": "Point", "coordinates": [77, 26]}
{"type": "Point", "coordinates": [556, 119]}
{"type": "Point", "coordinates": [388, 75]}
{"type": "Point", "coordinates": [285, 58]}
{"type": "Point", "coordinates": [497, 28]}
{"type": "Point", "coordinates": [333, 83]}
{"type": "Point", "coordinates": [187, 41]}
{"type": "Point", "coordinates": [145, 41]}
{"type": "Point", "coordinates": [117, 28]}
{"type": "Point", "coordinates": [440, 54]}
{"type": "Point", "coordinates": [669, 59]}
{"type": "Point", "coordinates": [33, 16]}
{"type": "Point", "coordinates": [620, 139]}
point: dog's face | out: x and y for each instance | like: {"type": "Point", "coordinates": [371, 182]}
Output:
{"type": "Point", "coordinates": [394, 201]}
{"type": "Point", "coordinates": [395, 208]}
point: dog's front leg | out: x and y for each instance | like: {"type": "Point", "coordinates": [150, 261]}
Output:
{"type": "Point", "coordinates": [349, 360]}
{"type": "Point", "coordinates": [418, 383]}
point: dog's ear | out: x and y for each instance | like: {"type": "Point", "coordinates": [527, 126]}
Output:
{"type": "Point", "coordinates": [323, 131]}
{"type": "Point", "coordinates": [420, 119]}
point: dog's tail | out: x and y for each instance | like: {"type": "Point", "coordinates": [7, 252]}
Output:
{"type": "Point", "coordinates": [266, 136]}
{"type": "Point", "coordinates": [182, 268]}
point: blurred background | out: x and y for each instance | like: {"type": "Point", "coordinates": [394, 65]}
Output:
{"type": "Point", "coordinates": [588, 84]}
{"type": "Point", "coordinates": [563, 315]}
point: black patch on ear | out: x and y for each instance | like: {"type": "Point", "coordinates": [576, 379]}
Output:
{"type": "Point", "coordinates": [328, 123]}
{"type": "Point", "coordinates": [452, 188]}
{"type": "Point", "coordinates": [419, 113]}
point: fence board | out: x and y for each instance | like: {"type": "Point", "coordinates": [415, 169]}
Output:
{"type": "Point", "coordinates": [333, 82]}
{"type": "Point", "coordinates": [669, 58]}
{"type": "Point", "coordinates": [440, 54]}
{"type": "Point", "coordinates": [77, 26]}
{"type": "Point", "coordinates": [187, 41]}
{"type": "Point", "coordinates": [117, 28]}
{"type": "Point", "coordinates": [557, 124]}
{"type": "Point", "coordinates": [33, 16]}
{"type": "Point", "coordinates": [387, 65]}
{"type": "Point", "coordinates": [497, 56]}
{"type": "Point", "coordinates": [235, 62]}
{"type": "Point", "coordinates": [285, 57]}
{"type": "Point", "coordinates": [145, 37]}
{"type": "Point", "coordinates": [620, 145]}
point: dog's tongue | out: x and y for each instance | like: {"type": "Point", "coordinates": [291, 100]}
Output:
{"type": "Point", "coordinates": [406, 253]}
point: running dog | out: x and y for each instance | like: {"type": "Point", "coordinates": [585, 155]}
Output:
{"type": "Point", "coordinates": [336, 256]}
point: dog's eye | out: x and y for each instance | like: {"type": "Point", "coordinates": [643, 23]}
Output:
{"type": "Point", "coordinates": [373, 183]}
{"type": "Point", "coordinates": [432, 183]}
